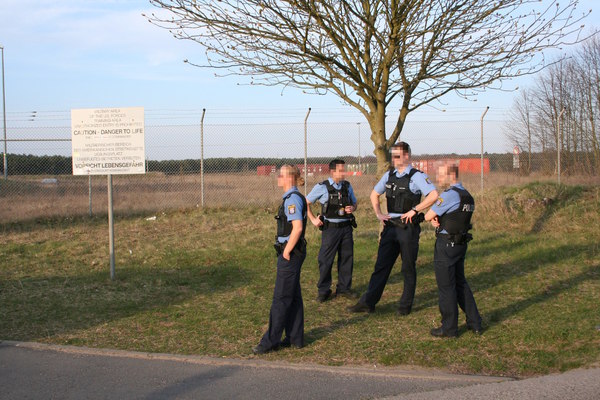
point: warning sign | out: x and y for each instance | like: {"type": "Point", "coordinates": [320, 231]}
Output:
{"type": "Point", "coordinates": [108, 141]}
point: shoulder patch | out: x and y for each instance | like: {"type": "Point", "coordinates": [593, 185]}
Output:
{"type": "Point", "coordinates": [428, 180]}
{"type": "Point", "coordinates": [292, 209]}
{"type": "Point", "coordinates": [439, 201]}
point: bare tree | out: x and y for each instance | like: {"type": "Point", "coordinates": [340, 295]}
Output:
{"type": "Point", "coordinates": [520, 124]}
{"type": "Point", "coordinates": [572, 85]}
{"type": "Point", "coordinates": [375, 54]}
{"type": "Point", "coordinates": [588, 85]}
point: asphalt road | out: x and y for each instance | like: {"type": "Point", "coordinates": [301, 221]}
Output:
{"type": "Point", "coordinates": [33, 371]}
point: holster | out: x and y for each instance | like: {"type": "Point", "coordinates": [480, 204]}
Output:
{"type": "Point", "coordinates": [279, 247]}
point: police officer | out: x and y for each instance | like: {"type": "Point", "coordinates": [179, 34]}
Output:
{"type": "Point", "coordinates": [338, 202]}
{"type": "Point", "coordinates": [287, 308]}
{"type": "Point", "coordinates": [403, 187]}
{"type": "Point", "coordinates": [451, 216]}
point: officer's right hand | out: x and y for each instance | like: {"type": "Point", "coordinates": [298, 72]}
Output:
{"type": "Point", "coordinates": [383, 217]}
{"type": "Point", "coordinates": [316, 222]}
{"type": "Point", "coordinates": [435, 222]}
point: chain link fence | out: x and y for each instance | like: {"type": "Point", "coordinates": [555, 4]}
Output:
{"type": "Point", "coordinates": [240, 163]}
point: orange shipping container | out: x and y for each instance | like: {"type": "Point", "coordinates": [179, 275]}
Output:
{"type": "Point", "coordinates": [265, 170]}
{"type": "Point", "coordinates": [473, 165]}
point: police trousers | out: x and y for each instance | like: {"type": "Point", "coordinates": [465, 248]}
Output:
{"type": "Point", "coordinates": [453, 289]}
{"type": "Point", "coordinates": [287, 308]}
{"type": "Point", "coordinates": [395, 240]}
{"type": "Point", "coordinates": [336, 241]}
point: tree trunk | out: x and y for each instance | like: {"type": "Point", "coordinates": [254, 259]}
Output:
{"type": "Point", "coordinates": [378, 137]}
{"type": "Point", "coordinates": [378, 134]}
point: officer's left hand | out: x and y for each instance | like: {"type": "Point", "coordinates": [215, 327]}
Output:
{"type": "Point", "coordinates": [286, 255]}
{"type": "Point", "coordinates": [435, 222]}
{"type": "Point", "coordinates": [349, 209]}
{"type": "Point", "coordinates": [407, 216]}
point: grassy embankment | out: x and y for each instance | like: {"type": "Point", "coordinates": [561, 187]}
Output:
{"type": "Point", "coordinates": [200, 282]}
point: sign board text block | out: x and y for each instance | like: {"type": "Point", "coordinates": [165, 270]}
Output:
{"type": "Point", "coordinates": [108, 141]}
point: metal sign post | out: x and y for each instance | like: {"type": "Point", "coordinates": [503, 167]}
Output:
{"type": "Point", "coordinates": [111, 229]}
{"type": "Point", "coordinates": [108, 141]}
{"type": "Point", "coordinates": [90, 193]}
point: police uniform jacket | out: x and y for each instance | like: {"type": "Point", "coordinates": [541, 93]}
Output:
{"type": "Point", "coordinates": [321, 194]}
{"type": "Point", "coordinates": [293, 207]}
{"type": "Point", "coordinates": [419, 184]}
{"type": "Point", "coordinates": [448, 201]}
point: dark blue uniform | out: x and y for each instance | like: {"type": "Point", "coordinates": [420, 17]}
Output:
{"type": "Point", "coordinates": [336, 235]}
{"type": "Point", "coordinates": [398, 239]}
{"type": "Point", "coordinates": [454, 209]}
{"type": "Point", "coordinates": [287, 308]}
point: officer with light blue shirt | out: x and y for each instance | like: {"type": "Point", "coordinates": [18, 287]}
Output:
{"type": "Point", "coordinates": [287, 308]}
{"type": "Point", "coordinates": [336, 221]}
{"type": "Point", "coordinates": [403, 187]}
{"type": "Point", "coordinates": [451, 216]}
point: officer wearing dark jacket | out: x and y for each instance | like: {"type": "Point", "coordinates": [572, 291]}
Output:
{"type": "Point", "coordinates": [403, 188]}
{"type": "Point", "coordinates": [287, 308]}
{"type": "Point", "coordinates": [451, 216]}
{"type": "Point", "coordinates": [338, 202]}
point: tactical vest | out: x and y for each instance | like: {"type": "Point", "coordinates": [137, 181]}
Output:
{"type": "Point", "coordinates": [284, 227]}
{"type": "Point", "coordinates": [397, 192]}
{"type": "Point", "coordinates": [337, 200]}
{"type": "Point", "coordinates": [459, 220]}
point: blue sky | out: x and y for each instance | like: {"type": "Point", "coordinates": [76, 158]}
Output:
{"type": "Point", "coordinates": [66, 54]}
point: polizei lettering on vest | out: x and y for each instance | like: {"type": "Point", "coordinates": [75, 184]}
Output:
{"type": "Point", "coordinates": [468, 208]}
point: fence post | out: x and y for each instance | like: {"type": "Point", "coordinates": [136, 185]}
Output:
{"type": "Point", "coordinates": [358, 123]}
{"type": "Point", "coordinates": [305, 151]}
{"type": "Point", "coordinates": [559, 143]}
{"type": "Point", "coordinates": [483, 115]}
{"type": "Point", "coordinates": [4, 115]}
{"type": "Point", "coordinates": [202, 157]}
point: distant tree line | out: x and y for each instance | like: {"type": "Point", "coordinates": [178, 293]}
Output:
{"type": "Point", "coordinates": [562, 111]}
{"type": "Point", "coordinates": [219, 165]}
{"type": "Point", "coordinates": [542, 162]}
{"type": "Point", "coordinates": [21, 164]}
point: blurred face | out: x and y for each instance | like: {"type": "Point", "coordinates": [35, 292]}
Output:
{"type": "Point", "coordinates": [285, 178]}
{"type": "Point", "coordinates": [442, 177]}
{"type": "Point", "coordinates": [339, 173]}
{"type": "Point", "coordinates": [400, 158]}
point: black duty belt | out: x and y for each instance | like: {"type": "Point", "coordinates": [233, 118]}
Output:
{"type": "Point", "coordinates": [298, 249]}
{"type": "Point", "coordinates": [328, 224]}
{"type": "Point", "coordinates": [455, 238]}
{"type": "Point", "coordinates": [341, 224]}
{"type": "Point", "coordinates": [417, 219]}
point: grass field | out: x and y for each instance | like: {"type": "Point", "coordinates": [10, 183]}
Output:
{"type": "Point", "coordinates": [201, 281]}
